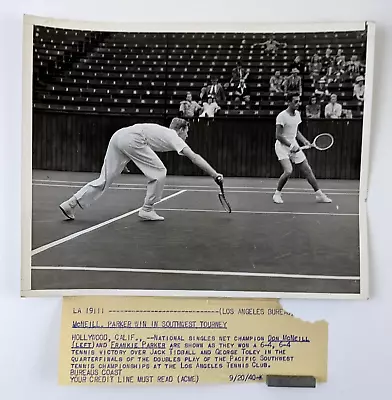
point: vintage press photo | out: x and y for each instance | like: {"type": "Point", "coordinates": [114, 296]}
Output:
{"type": "Point", "coordinates": [129, 128]}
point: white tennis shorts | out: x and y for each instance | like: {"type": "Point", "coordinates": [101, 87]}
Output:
{"type": "Point", "coordinates": [283, 153]}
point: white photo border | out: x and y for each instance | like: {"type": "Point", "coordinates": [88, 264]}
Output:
{"type": "Point", "coordinates": [26, 176]}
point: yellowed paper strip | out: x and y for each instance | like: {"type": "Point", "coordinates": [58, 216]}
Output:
{"type": "Point", "coordinates": [153, 340]}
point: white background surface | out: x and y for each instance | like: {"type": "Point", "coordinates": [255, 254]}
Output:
{"type": "Point", "coordinates": [360, 331]}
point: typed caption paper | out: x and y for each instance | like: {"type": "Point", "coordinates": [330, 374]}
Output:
{"type": "Point", "coordinates": [147, 340]}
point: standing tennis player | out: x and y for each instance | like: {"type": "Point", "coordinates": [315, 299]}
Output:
{"type": "Point", "coordinates": [288, 151]}
{"type": "Point", "coordinates": [139, 143]}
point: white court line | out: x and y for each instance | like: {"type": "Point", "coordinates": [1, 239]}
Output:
{"type": "Point", "coordinates": [193, 186]}
{"type": "Point", "coordinates": [80, 186]}
{"type": "Point", "coordinates": [257, 212]}
{"type": "Point", "coordinates": [168, 187]}
{"type": "Point", "coordinates": [191, 272]}
{"type": "Point", "coordinates": [95, 227]}
{"type": "Point", "coordinates": [271, 190]}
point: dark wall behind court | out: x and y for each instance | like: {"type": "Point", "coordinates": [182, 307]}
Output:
{"type": "Point", "coordinates": [236, 147]}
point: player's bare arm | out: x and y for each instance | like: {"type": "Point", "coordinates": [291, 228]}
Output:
{"type": "Point", "coordinates": [302, 138]}
{"type": "Point", "coordinates": [200, 162]}
{"type": "Point", "coordinates": [260, 43]}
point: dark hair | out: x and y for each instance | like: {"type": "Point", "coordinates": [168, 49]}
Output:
{"type": "Point", "coordinates": [292, 95]}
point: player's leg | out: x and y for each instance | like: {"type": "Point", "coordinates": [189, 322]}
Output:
{"type": "Point", "coordinates": [153, 169]}
{"type": "Point", "coordinates": [287, 171]}
{"type": "Point", "coordinates": [284, 158]}
{"type": "Point", "coordinates": [113, 164]}
{"type": "Point", "coordinates": [309, 175]}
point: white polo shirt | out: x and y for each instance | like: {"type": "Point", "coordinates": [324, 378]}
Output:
{"type": "Point", "coordinates": [159, 138]}
{"type": "Point", "coordinates": [290, 124]}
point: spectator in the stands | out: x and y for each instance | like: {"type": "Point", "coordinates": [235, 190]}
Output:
{"type": "Point", "coordinates": [315, 68]}
{"type": "Point", "coordinates": [329, 54]}
{"type": "Point", "coordinates": [242, 93]}
{"type": "Point", "coordinates": [313, 109]}
{"type": "Point", "coordinates": [216, 90]}
{"type": "Point", "coordinates": [203, 91]}
{"type": "Point", "coordinates": [353, 67]}
{"type": "Point", "coordinates": [210, 108]}
{"type": "Point", "coordinates": [328, 59]}
{"type": "Point", "coordinates": [298, 64]}
{"type": "Point", "coordinates": [333, 109]}
{"type": "Point", "coordinates": [333, 74]}
{"type": "Point", "coordinates": [271, 45]}
{"type": "Point", "coordinates": [340, 59]}
{"type": "Point", "coordinates": [239, 73]}
{"type": "Point", "coordinates": [276, 82]}
{"type": "Point", "coordinates": [321, 91]}
{"type": "Point", "coordinates": [359, 88]}
{"type": "Point", "coordinates": [189, 108]}
{"type": "Point", "coordinates": [293, 83]}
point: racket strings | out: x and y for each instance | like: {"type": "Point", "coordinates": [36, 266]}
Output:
{"type": "Point", "coordinates": [323, 141]}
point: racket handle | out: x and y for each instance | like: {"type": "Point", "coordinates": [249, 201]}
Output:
{"type": "Point", "coordinates": [306, 147]}
{"type": "Point", "coordinates": [219, 180]}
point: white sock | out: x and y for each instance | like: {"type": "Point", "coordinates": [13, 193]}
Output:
{"type": "Point", "coordinates": [278, 192]}
{"type": "Point", "coordinates": [319, 192]}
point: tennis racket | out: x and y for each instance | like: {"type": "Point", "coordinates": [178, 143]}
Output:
{"type": "Point", "coordinates": [221, 195]}
{"type": "Point", "coordinates": [323, 141]}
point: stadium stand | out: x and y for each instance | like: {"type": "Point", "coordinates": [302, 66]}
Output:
{"type": "Point", "coordinates": [150, 73]}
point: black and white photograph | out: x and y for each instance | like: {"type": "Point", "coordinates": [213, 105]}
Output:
{"type": "Point", "coordinates": [196, 159]}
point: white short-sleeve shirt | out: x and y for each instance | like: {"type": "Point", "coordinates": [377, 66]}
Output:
{"type": "Point", "coordinates": [159, 138]}
{"type": "Point", "coordinates": [289, 123]}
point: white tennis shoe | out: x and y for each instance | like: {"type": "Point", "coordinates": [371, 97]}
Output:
{"type": "Point", "coordinates": [150, 215]}
{"type": "Point", "coordinates": [277, 198]}
{"type": "Point", "coordinates": [67, 207]}
{"type": "Point", "coordinates": [323, 198]}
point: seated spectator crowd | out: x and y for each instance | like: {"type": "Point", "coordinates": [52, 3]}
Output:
{"type": "Point", "coordinates": [330, 70]}
{"type": "Point", "coordinates": [324, 72]}
{"type": "Point", "coordinates": [213, 96]}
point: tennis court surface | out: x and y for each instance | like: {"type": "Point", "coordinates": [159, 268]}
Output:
{"type": "Point", "coordinates": [298, 246]}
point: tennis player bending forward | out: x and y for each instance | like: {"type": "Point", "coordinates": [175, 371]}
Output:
{"type": "Point", "coordinates": [287, 150]}
{"type": "Point", "coordinates": [139, 143]}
